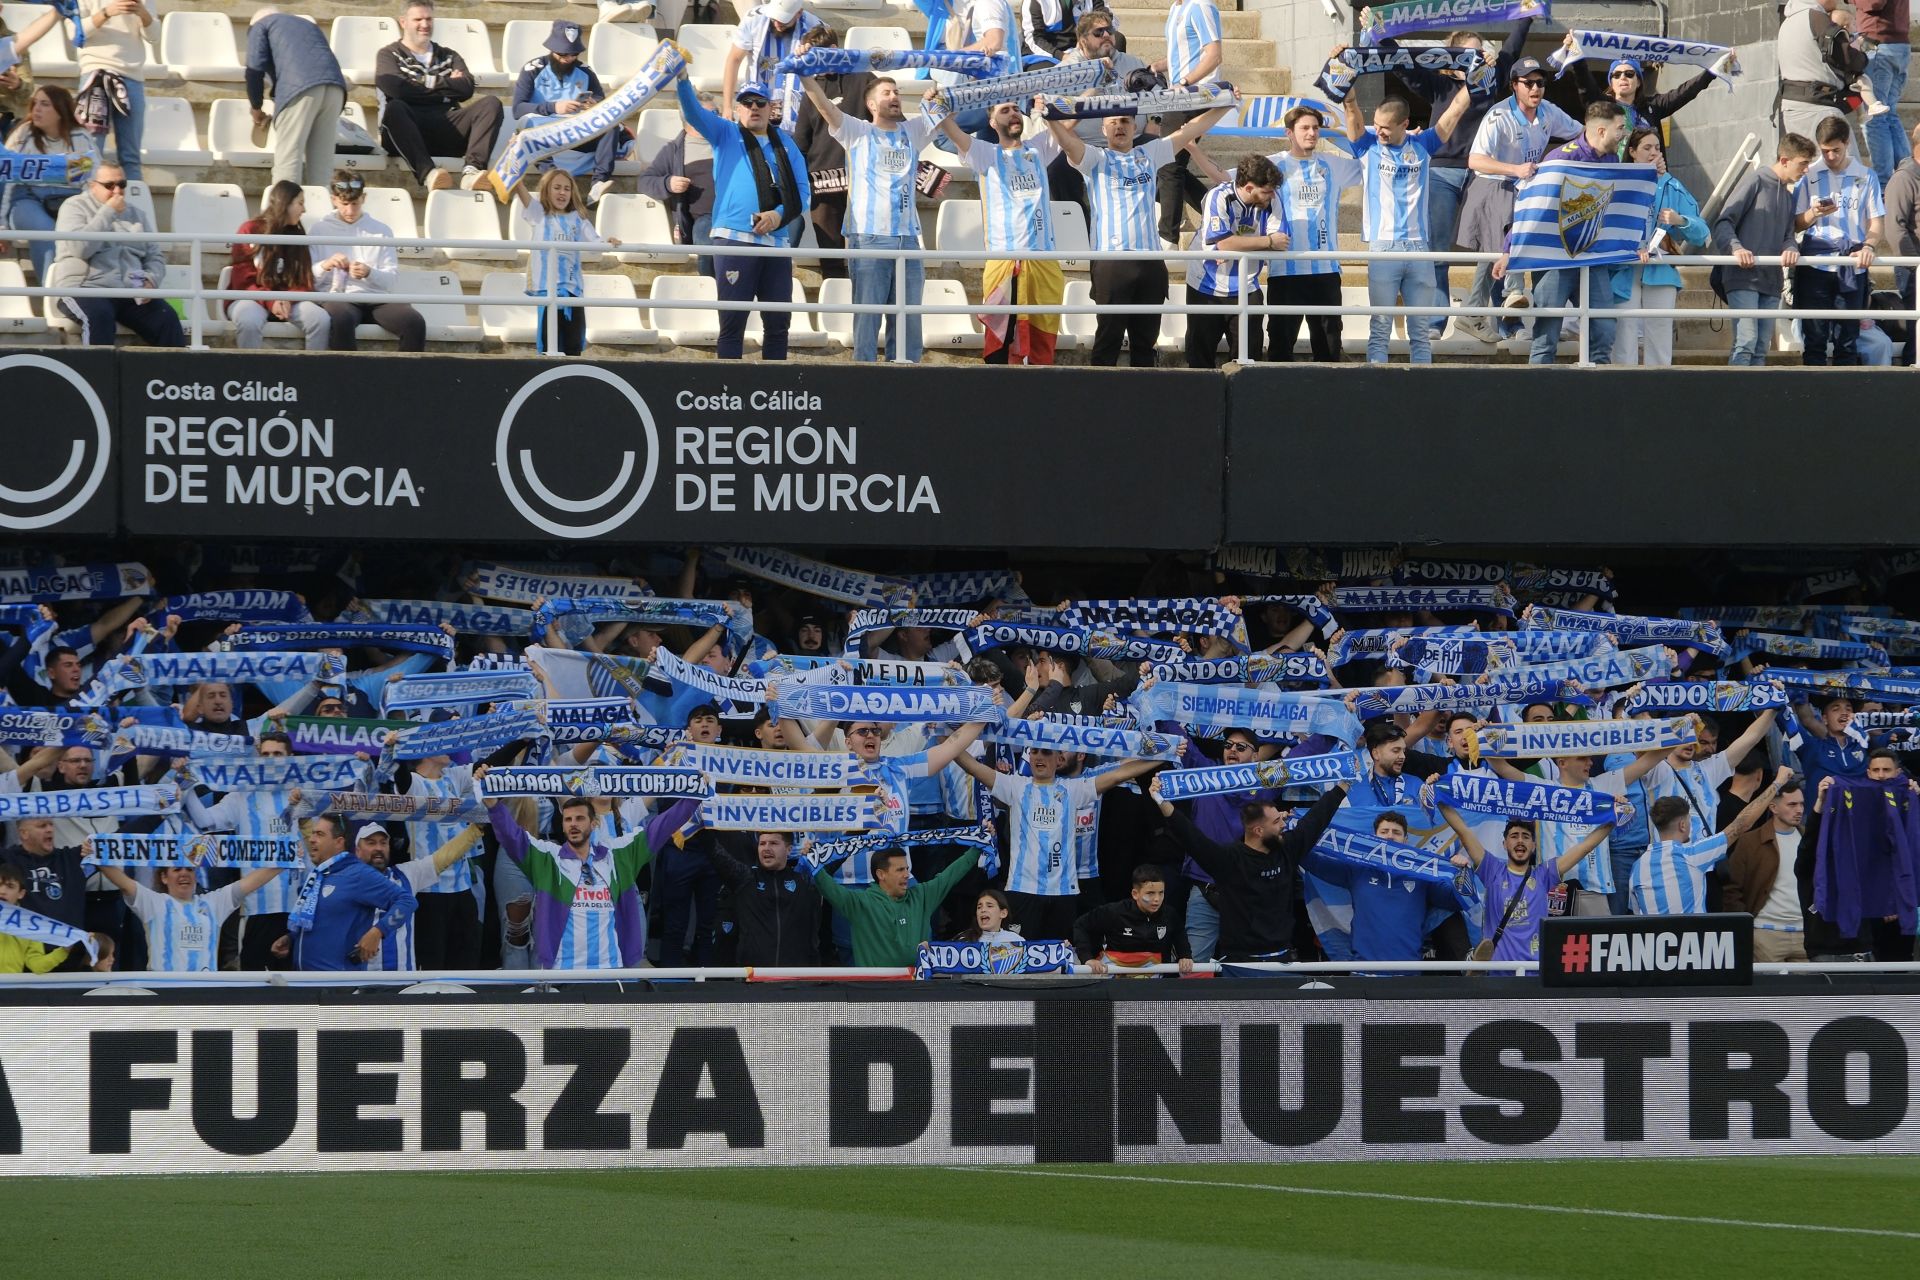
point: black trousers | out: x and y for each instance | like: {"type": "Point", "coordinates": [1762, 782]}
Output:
{"type": "Point", "coordinates": [446, 931]}
{"type": "Point", "coordinates": [418, 134]}
{"type": "Point", "coordinates": [1043, 918]}
{"type": "Point", "coordinates": [1205, 331]}
{"type": "Point", "coordinates": [1178, 186]}
{"type": "Point", "coordinates": [1821, 291]}
{"type": "Point", "coordinates": [257, 936]}
{"type": "Point", "coordinates": [397, 318]}
{"type": "Point", "coordinates": [1283, 329]}
{"type": "Point", "coordinates": [1121, 284]}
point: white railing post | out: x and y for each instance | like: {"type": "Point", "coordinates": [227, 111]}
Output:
{"type": "Point", "coordinates": [197, 340]}
{"type": "Point", "coordinates": [1585, 283]}
{"type": "Point", "coordinates": [1241, 282]}
{"type": "Point", "coordinates": [897, 322]}
{"type": "Point", "coordinates": [553, 301]}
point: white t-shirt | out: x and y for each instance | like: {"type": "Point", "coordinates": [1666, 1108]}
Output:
{"type": "Point", "coordinates": [1782, 907]}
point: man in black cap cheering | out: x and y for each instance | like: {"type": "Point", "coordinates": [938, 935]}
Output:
{"type": "Point", "coordinates": [559, 85]}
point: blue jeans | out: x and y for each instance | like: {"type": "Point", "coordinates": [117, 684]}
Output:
{"type": "Point", "coordinates": [1445, 190]}
{"type": "Point", "coordinates": [1203, 925]}
{"type": "Point", "coordinates": [1752, 339]}
{"type": "Point", "coordinates": [873, 280]}
{"type": "Point", "coordinates": [1621, 899]}
{"type": "Point", "coordinates": [1390, 281]}
{"type": "Point", "coordinates": [1555, 289]}
{"type": "Point", "coordinates": [27, 212]}
{"type": "Point", "coordinates": [703, 234]}
{"type": "Point", "coordinates": [130, 128]}
{"type": "Point", "coordinates": [512, 889]}
{"type": "Point", "coordinates": [1886, 142]}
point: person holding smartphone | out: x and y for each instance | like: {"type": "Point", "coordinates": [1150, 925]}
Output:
{"type": "Point", "coordinates": [125, 264]}
{"type": "Point", "coordinates": [1841, 212]}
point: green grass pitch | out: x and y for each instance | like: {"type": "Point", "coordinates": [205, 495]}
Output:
{"type": "Point", "coordinates": [1845, 1216]}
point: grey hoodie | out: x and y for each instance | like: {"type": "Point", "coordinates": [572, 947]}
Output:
{"type": "Point", "coordinates": [101, 264]}
{"type": "Point", "coordinates": [1799, 54]}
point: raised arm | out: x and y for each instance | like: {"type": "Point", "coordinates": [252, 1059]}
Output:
{"type": "Point", "coordinates": [455, 849]}
{"type": "Point", "coordinates": [1567, 861]}
{"type": "Point", "coordinates": [1757, 806]}
{"type": "Point", "coordinates": [1070, 144]}
{"type": "Point", "coordinates": [1189, 133]}
{"type": "Point", "coordinates": [1127, 772]}
{"type": "Point", "coordinates": [1450, 118]}
{"type": "Point", "coordinates": [830, 114]}
{"type": "Point", "coordinates": [245, 885]}
{"type": "Point", "coordinates": [1468, 841]}
{"type": "Point", "coordinates": [1750, 737]}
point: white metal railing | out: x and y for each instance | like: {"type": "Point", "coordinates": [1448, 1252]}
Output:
{"type": "Point", "coordinates": [1241, 307]}
{"type": "Point", "coordinates": [562, 977]}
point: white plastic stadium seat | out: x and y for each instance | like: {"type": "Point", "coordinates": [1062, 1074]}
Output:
{"type": "Point", "coordinates": [171, 143]}
{"type": "Point", "coordinates": [1070, 233]}
{"type": "Point", "coordinates": [504, 323]}
{"type": "Point", "coordinates": [356, 40]}
{"type": "Point", "coordinates": [697, 327]}
{"type": "Point", "coordinates": [140, 196]}
{"type": "Point", "coordinates": [17, 314]}
{"type": "Point", "coordinates": [954, 332]}
{"type": "Point", "coordinates": [200, 46]}
{"type": "Point", "coordinates": [448, 321]}
{"type": "Point", "coordinates": [524, 39]}
{"type": "Point", "coordinates": [208, 207]}
{"type": "Point", "coordinates": [635, 221]}
{"type": "Point", "coordinates": [616, 326]}
{"type": "Point", "coordinates": [230, 135]}
{"type": "Point", "coordinates": [53, 56]}
{"type": "Point", "coordinates": [958, 227]}
{"type": "Point", "coordinates": [837, 291]}
{"type": "Point", "coordinates": [466, 215]}
{"type": "Point", "coordinates": [1173, 325]}
{"type": "Point", "coordinates": [706, 45]}
{"type": "Point", "coordinates": [374, 163]}
{"type": "Point", "coordinates": [652, 130]}
{"type": "Point", "coordinates": [468, 37]}
{"type": "Point", "coordinates": [1077, 331]}
{"type": "Point", "coordinates": [616, 50]}
{"type": "Point", "coordinates": [878, 38]}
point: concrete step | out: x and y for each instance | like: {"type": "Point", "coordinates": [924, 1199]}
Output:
{"type": "Point", "coordinates": [1238, 53]}
{"type": "Point", "coordinates": [1143, 20]}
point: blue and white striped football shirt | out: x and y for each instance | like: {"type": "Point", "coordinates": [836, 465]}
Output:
{"type": "Point", "coordinates": [1013, 194]}
{"type": "Point", "coordinates": [590, 941]}
{"type": "Point", "coordinates": [890, 779]}
{"type": "Point", "coordinates": [1671, 877]}
{"type": "Point", "coordinates": [1856, 191]}
{"type": "Point", "coordinates": [1120, 187]}
{"type": "Point", "coordinates": [1222, 215]}
{"type": "Point", "coordinates": [1310, 195]}
{"type": "Point", "coordinates": [1395, 185]}
{"type": "Point", "coordinates": [184, 937]}
{"type": "Point", "coordinates": [880, 173]}
{"type": "Point", "coordinates": [1040, 832]}
{"type": "Point", "coordinates": [426, 837]}
{"type": "Point", "coordinates": [396, 948]}
{"type": "Point", "coordinates": [256, 815]}
{"type": "Point", "coordinates": [1192, 25]}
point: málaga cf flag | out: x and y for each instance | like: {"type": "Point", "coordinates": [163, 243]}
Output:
{"type": "Point", "coordinates": [1571, 214]}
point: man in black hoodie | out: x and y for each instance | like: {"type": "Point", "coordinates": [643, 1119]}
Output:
{"type": "Point", "coordinates": [1257, 876]}
{"type": "Point", "coordinates": [776, 909]}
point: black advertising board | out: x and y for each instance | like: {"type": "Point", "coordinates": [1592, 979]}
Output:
{"type": "Point", "coordinates": [1647, 951]}
{"type": "Point", "coordinates": [260, 446]}
{"type": "Point", "coordinates": [58, 473]}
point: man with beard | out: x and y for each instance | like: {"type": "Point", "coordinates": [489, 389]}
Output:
{"type": "Point", "coordinates": [373, 846]}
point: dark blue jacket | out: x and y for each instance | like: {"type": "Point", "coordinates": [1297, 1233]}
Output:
{"type": "Point", "coordinates": [353, 898]}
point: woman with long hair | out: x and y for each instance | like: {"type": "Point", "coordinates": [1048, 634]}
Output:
{"type": "Point", "coordinates": [1626, 84]}
{"type": "Point", "coordinates": [50, 129]}
{"type": "Point", "coordinates": [556, 212]}
{"type": "Point", "coordinates": [278, 268]}
{"type": "Point", "coordinates": [1673, 224]}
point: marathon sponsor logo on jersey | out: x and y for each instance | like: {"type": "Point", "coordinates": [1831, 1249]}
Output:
{"type": "Point", "coordinates": [74, 582]}
{"type": "Point", "coordinates": [601, 780]}
{"type": "Point", "coordinates": [994, 958]}
{"type": "Point", "coordinates": [1605, 951]}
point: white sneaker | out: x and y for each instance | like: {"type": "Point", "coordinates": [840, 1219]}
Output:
{"type": "Point", "coordinates": [1878, 109]}
{"type": "Point", "coordinates": [599, 189]}
{"type": "Point", "coordinates": [1477, 327]}
{"type": "Point", "coordinates": [623, 11]}
{"type": "Point", "coordinates": [471, 177]}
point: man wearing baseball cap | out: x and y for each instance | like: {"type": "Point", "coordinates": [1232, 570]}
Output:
{"type": "Point", "coordinates": [558, 85]}
{"type": "Point", "coordinates": [765, 36]}
{"type": "Point", "coordinates": [373, 845]}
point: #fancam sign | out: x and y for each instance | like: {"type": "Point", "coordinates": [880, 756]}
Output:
{"type": "Point", "coordinates": [1647, 951]}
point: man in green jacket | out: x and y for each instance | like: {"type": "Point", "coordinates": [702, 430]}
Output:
{"type": "Point", "coordinates": [889, 919]}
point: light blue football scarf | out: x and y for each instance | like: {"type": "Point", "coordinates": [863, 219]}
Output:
{"type": "Point", "coordinates": [1265, 712]}
{"type": "Point", "coordinates": [553, 782]}
{"type": "Point", "coordinates": [1286, 771]}
{"type": "Point", "coordinates": [1577, 738]}
{"type": "Point", "coordinates": [969, 704]}
{"type": "Point", "coordinates": [1054, 639]}
{"type": "Point", "coordinates": [868, 621]}
{"type": "Point", "coordinates": [784, 666]}
{"type": "Point", "coordinates": [690, 675]}
{"type": "Point", "coordinates": [1785, 646]}
{"type": "Point", "coordinates": [1490, 599]}
{"type": "Point", "coordinates": [307, 903]}
{"type": "Point", "coordinates": [1898, 635]}
{"type": "Point", "coordinates": [1151, 102]}
{"type": "Point", "coordinates": [1702, 635]}
{"type": "Point", "coordinates": [568, 132]}
{"type": "Point", "coordinates": [151, 669]}
{"type": "Point", "coordinates": [1388, 20]}
{"type": "Point", "coordinates": [1848, 684]}
{"type": "Point", "coordinates": [753, 767]}
{"type": "Point", "coordinates": [91, 802]}
{"type": "Point", "coordinates": [1876, 720]}
{"type": "Point", "coordinates": [299, 636]}
{"type": "Point", "coordinates": [1368, 642]}
{"type": "Point", "coordinates": [652, 612]}
{"type": "Point", "coordinates": [840, 62]}
{"type": "Point", "coordinates": [824, 811]}
{"type": "Point", "coordinates": [1493, 691]}
{"type": "Point", "coordinates": [815, 577]}
{"type": "Point", "coordinates": [378, 805]}
{"type": "Point", "coordinates": [467, 619]}
{"type": "Point", "coordinates": [1645, 50]}
{"type": "Point", "coordinates": [231, 606]}
{"type": "Point", "coordinates": [1534, 801]}
{"type": "Point", "coordinates": [581, 676]}
{"type": "Point", "coordinates": [1099, 740]}
{"type": "Point", "coordinates": [1158, 616]}
{"type": "Point", "coordinates": [99, 581]}
{"type": "Point", "coordinates": [1534, 580]}
{"type": "Point", "coordinates": [474, 733]}
{"type": "Point", "coordinates": [1706, 695]}
{"type": "Point", "coordinates": [1313, 608]}
{"type": "Point", "coordinates": [1252, 668]}
{"type": "Point", "coordinates": [826, 851]}
{"type": "Point", "coordinates": [518, 586]}
{"type": "Point", "coordinates": [1336, 78]}
{"type": "Point", "coordinates": [55, 729]}
{"type": "Point", "coordinates": [198, 849]}
{"type": "Point", "coordinates": [1625, 667]}
{"type": "Point", "coordinates": [583, 721]}
{"type": "Point", "coordinates": [20, 615]}
{"type": "Point", "coordinates": [1552, 646]}
{"type": "Point", "coordinates": [458, 689]}
{"type": "Point", "coordinates": [1454, 655]}
{"type": "Point", "coordinates": [175, 740]}
{"type": "Point", "coordinates": [1068, 78]}
{"type": "Point", "coordinates": [993, 959]}
{"type": "Point", "coordinates": [45, 930]}
{"type": "Point", "coordinates": [275, 773]}
{"type": "Point", "coordinates": [29, 166]}
{"type": "Point", "coordinates": [1751, 615]}
{"type": "Point", "coordinates": [325, 735]}
{"type": "Point", "coordinates": [1369, 853]}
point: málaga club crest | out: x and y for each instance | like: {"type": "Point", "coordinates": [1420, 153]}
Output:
{"type": "Point", "coordinates": [1583, 207]}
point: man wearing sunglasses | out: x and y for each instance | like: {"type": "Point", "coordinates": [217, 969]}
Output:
{"type": "Point", "coordinates": [95, 264]}
{"type": "Point", "coordinates": [351, 261]}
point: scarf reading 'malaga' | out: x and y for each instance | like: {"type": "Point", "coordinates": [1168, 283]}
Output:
{"type": "Point", "coordinates": [1265, 712]}
{"type": "Point", "coordinates": [1489, 599]}
{"type": "Point", "coordinates": [1099, 740]}
{"type": "Point", "coordinates": [274, 773]}
{"type": "Point", "coordinates": [968, 704]}
{"type": "Point", "coordinates": [473, 733]}
{"type": "Point", "coordinates": [150, 669]}
{"type": "Point", "coordinates": [466, 619]}
{"type": "Point", "coordinates": [1535, 801]}
{"type": "Point", "coordinates": [47, 583]}
{"type": "Point", "coordinates": [868, 621]}
{"type": "Point", "coordinates": [1369, 853]}
{"type": "Point", "coordinates": [556, 781]}
{"type": "Point", "coordinates": [1702, 635]}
